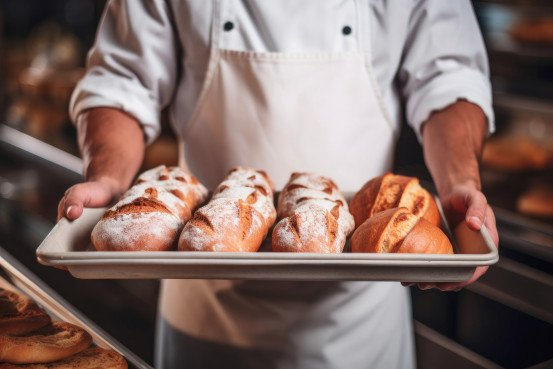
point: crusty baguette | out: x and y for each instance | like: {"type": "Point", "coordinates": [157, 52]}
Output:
{"type": "Point", "coordinates": [91, 358]}
{"type": "Point", "coordinates": [19, 314]}
{"type": "Point", "coordinates": [315, 216]}
{"type": "Point", "coordinates": [55, 341]}
{"type": "Point", "coordinates": [151, 213]}
{"type": "Point", "coordinates": [236, 219]}
{"type": "Point", "coordinates": [392, 191]}
{"type": "Point", "coordinates": [399, 230]}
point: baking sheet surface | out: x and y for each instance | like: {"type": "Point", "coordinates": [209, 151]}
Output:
{"type": "Point", "coordinates": [68, 245]}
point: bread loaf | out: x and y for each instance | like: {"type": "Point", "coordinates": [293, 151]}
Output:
{"type": "Point", "coordinates": [236, 219]}
{"type": "Point", "coordinates": [53, 342]}
{"type": "Point", "coordinates": [91, 358]}
{"type": "Point", "coordinates": [399, 230]}
{"type": "Point", "coordinates": [315, 216]}
{"type": "Point", "coordinates": [151, 213]}
{"type": "Point", "coordinates": [19, 314]}
{"type": "Point", "coordinates": [392, 191]}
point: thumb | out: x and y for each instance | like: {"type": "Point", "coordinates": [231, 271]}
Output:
{"type": "Point", "coordinates": [88, 194]}
{"type": "Point", "coordinates": [476, 209]}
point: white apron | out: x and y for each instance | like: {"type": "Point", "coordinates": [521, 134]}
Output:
{"type": "Point", "coordinates": [281, 112]}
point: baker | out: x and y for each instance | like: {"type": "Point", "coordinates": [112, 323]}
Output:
{"type": "Point", "coordinates": [286, 86]}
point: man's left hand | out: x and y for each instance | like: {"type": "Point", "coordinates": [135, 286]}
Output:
{"type": "Point", "coordinates": [465, 203]}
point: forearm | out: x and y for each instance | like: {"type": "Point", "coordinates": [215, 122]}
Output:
{"type": "Point", "coordinates": [452, 141]}
{"type": "Point", "coordinates": [112, 147]}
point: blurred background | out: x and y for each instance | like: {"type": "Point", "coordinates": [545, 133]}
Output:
{"type": "Point", "coordinates": [504, 320]}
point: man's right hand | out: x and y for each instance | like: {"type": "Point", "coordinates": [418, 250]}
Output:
{"type": "Point", "coordinates": [112, 148]}
{"type": "Point", "coordinates": [93, 194]}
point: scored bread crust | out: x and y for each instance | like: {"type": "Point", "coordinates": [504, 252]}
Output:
{"type": "Point", "coordinates": [397, 230]}
{"type": "Point", "coordinates": [91, 358]}
{"type": "Point", "coordinates": [149, 216]}
{"type": "Point", "coordinates": [55, 341]}
{"type": "Point", "coordinates": [19, 314]}
{"type": "Point", "coordinates": [392, 191]}
{"type": "Point", "coordinates": [315, 216]}
{"type": "Point", "coordinates": [236, 219]}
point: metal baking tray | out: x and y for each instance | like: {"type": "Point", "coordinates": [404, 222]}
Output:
{"type": "Point", "coordinates": [15, 277]}
{"type": "Point", "coordinates": [68, 246]}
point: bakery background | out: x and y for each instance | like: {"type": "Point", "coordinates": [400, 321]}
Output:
{"type": "Point", "coordinates": [504, 320]}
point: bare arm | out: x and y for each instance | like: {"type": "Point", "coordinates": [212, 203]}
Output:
{"type": "Point", "coordinates": [453, 140]}
{"type": "Point", "coordinates": [112, 147]}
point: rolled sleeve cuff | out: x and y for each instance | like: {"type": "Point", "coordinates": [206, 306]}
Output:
{"type": "Point", "coordinates": [445, 90]}
{"type": "Point", "coordinates": [95, 91]}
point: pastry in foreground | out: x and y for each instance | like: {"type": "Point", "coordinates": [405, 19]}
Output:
{"type": "Point", "coordinates": [236, 219]}
{"type": "Point", "coordinates": [53, 342]}
{"type": "Point", "coordinates": [19, 314]}
{"type": "Point", "coordinates": [91, 358]}
{"type": "Point", "coordinates": [315, 216]}
{"type": "Point", "coordinates": [151, 213]}
{"type": "Point", "coordinates": [392, 191]}
{"type": "Point", "coordinates": [398, 230]}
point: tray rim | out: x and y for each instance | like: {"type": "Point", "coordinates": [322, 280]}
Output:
{"type": "Point", "coordinates": [82, 258]}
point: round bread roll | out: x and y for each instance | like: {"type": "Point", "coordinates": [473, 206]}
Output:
{"type": "Point", "coordinates": [392, 191]}
{"type": "Point", "coordinates": [53, 342]}
{"type": "Point", "coordinates": [91, 358]}
{"type": "Point", "coordinates": [399, 230]}
{"type": "Point", "coordinates": [236, 219]}
{"type": "Point", "coordinates": [19, 314]}
{"type": "Point", "coordinates": [151, 213]}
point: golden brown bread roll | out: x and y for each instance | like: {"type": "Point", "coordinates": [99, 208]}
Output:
{"type": "Point", "coordinates": [398, 230]}
{"type": "Point", "coordinates": [151, 213]}
{"type": "Point", "coordinates": [19, 314]}
{"type": "Point", "coordinates": [91, 358]}
{"type": "Point", "coordinates": [392, 191]}
{"type": "Point", "coordinates": [53, 342]}
{"type": "Point", "coordinates": [315, 216]}
{"type": "Point", "coordinates": [236, 219]}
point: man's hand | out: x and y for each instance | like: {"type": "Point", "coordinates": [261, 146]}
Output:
{"type": "Point", "coordinates": [452, 142]}
{"type": "Point", "coordinates": [466, 204]}
{"type": "Point", "coordinates": [91, 194]}
{"type": "Point", "coordinates": [112, 146]}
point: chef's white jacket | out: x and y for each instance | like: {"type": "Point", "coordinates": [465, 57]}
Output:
{"type": "Point", "coordinates": [426, 54]}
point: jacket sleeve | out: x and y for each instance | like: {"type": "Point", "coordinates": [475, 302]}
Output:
{"type": "Point", "coordinates": [132, 65]}
{"type": "Point", "coordinates": [445, 60]}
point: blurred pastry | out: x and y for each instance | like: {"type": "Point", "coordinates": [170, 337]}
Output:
{"type": "Point", "coordinates": [515, 154]}
{"type": "Point", "coordinates": [533, 31]}
{"type": "Point", "coordinates": [537, 201]}
{"type": "Point", "coordinates": [19, 314]}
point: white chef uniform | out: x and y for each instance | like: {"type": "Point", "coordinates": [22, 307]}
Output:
{"type": "Point", "coordinates": [285, 86]}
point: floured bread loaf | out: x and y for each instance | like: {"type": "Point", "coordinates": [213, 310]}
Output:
{"type": "Point", "coordinates": [53, 342]}
{"type": "Point", "coordinates": [315, 216]}
{"type": "Point", "coordinates": [399, 230]}
{"type": "Point", "coordinates": [19, 314]}
{"type": "Point", "coordinates": [91, 358]}
{"type": "Point", "coordinates": [151, 213]}
{"type": "Point", "coordinates": [392, 191]}
{"type": "Point", "coordinates": [236, 219]}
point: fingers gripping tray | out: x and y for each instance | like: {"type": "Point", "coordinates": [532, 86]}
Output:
{"type": "Point", "coordinates": [68, 246]}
